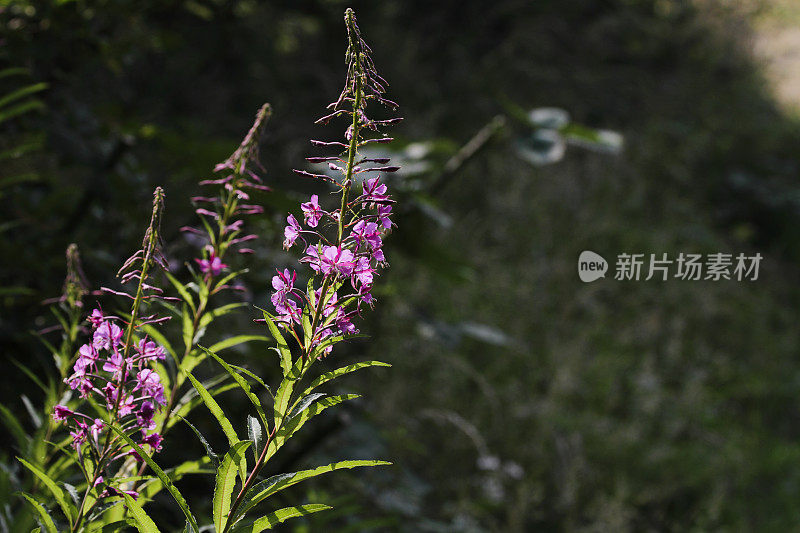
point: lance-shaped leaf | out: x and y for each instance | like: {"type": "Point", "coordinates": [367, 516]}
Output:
{"type": "Point", "coordinates": [186, 296]}
{"type": "Point", "coordinates": [303, 403]}
{"type": "Point", "coordinates": [224, 423]}
{"type": "Point", "coordinates": [213, 457]}
{"type": "Point", "coordinates": [44, 518]}
{"type": "Point", "coordinates": [173, 490]}
{"type": "Point", "coordinates": [186, 405]}
{"type": "Point", "coordinates": [215, 409]}
{"type": "Point", "coordinates": [143, 522]}
{"type": "Point", "coordinates": [281, 515]}
{"type": "Point", "coordinates": [255, 377]}
{"type": "Point", "coordinates": [291, 426]}
{"type": "Point", "coordinates": [235, 341]}
{"type": "Point", "coordinates": [197, 466]}
{"type": "Point", "coordinates": [115, 526]}
{"type": "Point", "coordinates": [283, 348]}
{"type": "Point", "coordinates": [243, 384]}
{"type": "Point", "coordinates": [188, 331]}
{"type": "Point", "coordinates": [226, 480]}
{"type": "Point", "coordinates": [52, 486]}
{"type": "Point", "coordinates": [263, 490]}
{"type": "Point", "coordinates": [328, 376]}
{"type": "Point", "coordinates": [256, 434]}
{"type": "Point", "coordinates": [208, 317]}
{"type": "Point", "coordinates": [15, 428]}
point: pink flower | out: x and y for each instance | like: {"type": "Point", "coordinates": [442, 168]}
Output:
{"type": "Point", "coordinates": [363, 272]}
{"type": "Point", "coordinates": [107, 336]}
{"type": "Point", "coordinates": [337, 259]}
{"type": "Point", "coordinates": [291, 232]}
{"type": "Point", "coordinates": [384, 212]}
{"type": "Point", "coordinates": [213, 265]}
{"type": "Point", "coordinates": [149, 350]}
{"type": "Point", "coordinates": [144, 417]}
{"type": "Point", "coordinates": [114, 364]}
{"type": "Point", "coordinates": [374, 190]}
{"type": "Point", "coordinates": [366, 232]}
{"type": "Point", "coordinates": [312, 211]}
{"type": "Point", "coordinates": [61, 413]}
{"type": "Point", "coordinates": [149, 382]}
{"type": "Point", "coordinates": [284, 281]}
{"type": "Point", "coordinates": [154, 440]}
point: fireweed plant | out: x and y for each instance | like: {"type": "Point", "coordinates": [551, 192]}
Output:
{"type": "Point", "coordinates": [125, 387]}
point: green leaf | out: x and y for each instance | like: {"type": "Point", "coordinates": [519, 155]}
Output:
{"type": "Point", "coordinates": [256, 434]}
{"type": "Point", "coordinates": [54, 489]}
{"type": "Point", "coordinates": [21, 93]}
{"type": "Point", "coordinates": [293, 425]}
{"type": "Point", "coordinates": [19, 109]}
{"type": "Point", "coordinates": [211, 455]}
{"type": "Point", "coordinates": [44, 518]}
{"type": "Point", "coordinates": [281, 515]}
{"type": "Point", "coordinates": [283, 348]}
{"type": "Point", "coordinates": [303, 403]}
{"type": "Point", "coordinates": [206, 319]}
{"type": "Point", "coordinates": [143, 522]}
{"type": "Point", "coordinates": [197, 466]}
{"type": "Point", "coordinates": [263, 490]}
{"type": "Point", "coordinates": [226, 480]}
{"type": "Point", "coordinates": [255, 377]}
{"type": "Point", "coordinates": [161, 475]}
{"type": "Point", "coordinates": [328, 376]}
{"type": "Point", "coordinates": [235, 341]}
{"type": "Point", "coordinates": [14, 427]}
{"type": "Point", "coordinates": [215, 410]}
{"type": "Point", "coordinates": [186, 406]}
{"type": "Point", "coordinates": [227, 278]}
{"type": "Point", "coordinates": [243, 384]}
{"type": "Point", "coordinates": [188, 328]}
{"type": "Point", "coordinates": [115, 526]}
{"type": "Point", "coordinates": [281, 404]}
{"type": "Point", "coordinates": [183, 291]}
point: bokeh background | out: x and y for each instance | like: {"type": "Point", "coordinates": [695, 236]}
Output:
{"type": "Point", "coordinates": [520, 399]}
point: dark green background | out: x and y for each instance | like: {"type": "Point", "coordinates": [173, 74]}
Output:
{"type": "Point", "coordinates": [520, 399]}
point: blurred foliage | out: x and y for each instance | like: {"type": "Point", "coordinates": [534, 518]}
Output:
{"type": "Point", "coordinates": [520, 398]}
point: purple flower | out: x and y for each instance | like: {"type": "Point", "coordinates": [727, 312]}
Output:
{"type": "Point", "coordinates": [363, 272]}
{"type": "Point", "coordinates": [79, 434]}
{"type": "Point", "coordinates": [312, 211]}
{"type": "Point", "coordinates": [149, 350]}
{"type": "Point", "coordinates": [366, 232]}
{"type": "Point", "coordinates": [335, 258]}
{"type": "Point", "coordinates": [144, 417]}
{"type": "Point", "coordinates": [213, 265]}
{"type": "Point", "coordinates": [96, 318]}
{"type": "Point", "coordinates": [313, 259]}
{"type": "Point", "coordinates": [288, 311]}
{"type": "Point", "coordinates": [149, 382]}
{"type": "Point", "coordinates": [87, 356]}
{"type": "Point", "coordinates": [384, 212]}
{"type": "Point", "coordinates": [284, 281]}
{"type": "Point", "coordinates": [107, 336]}
{"type": "Point", "coordinates": [154, 440]}
{"type": "Point", "coordinates": [95, 430]}
{"type": "Point", "coordinates": [291, 232]}
{"type": "Point", "coordinates": [62, 413]}
{"type": "Point", "coordinates": [374, 190]}
{"type": "Point", "coordinates": [114, 364]}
